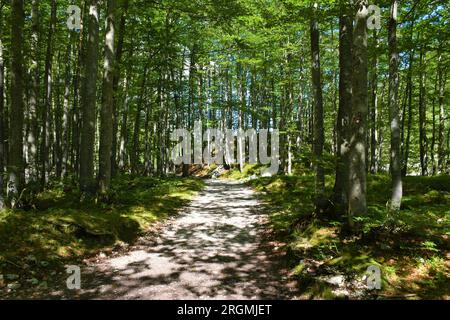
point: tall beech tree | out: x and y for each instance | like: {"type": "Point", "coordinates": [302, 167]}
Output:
{"type": "Point", "coordinates": [16, 174]}
{"type": "Point", "coordinates": [89, 100]}
{"type": "Point", "coordinates": [396, 166]}
{"type": "Point", "coordinates": [358, 127]}
{"type": "Point", "coordinates": [48, 96]}
{"type": "Point", "coordinates": [2, 112]}
{"type": "Point", "coordinates": [107, 113]}
{"type": "Point", "coordinates": [318, 107]}
{"type": "Point", "coordinates": [345, 104]}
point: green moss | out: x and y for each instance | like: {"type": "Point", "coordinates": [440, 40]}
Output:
{"type": "Point", "coordinates": [249, 170]}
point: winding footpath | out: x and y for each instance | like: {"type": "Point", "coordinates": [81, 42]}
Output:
{"type": "Point", "coordinates": [216, 248]}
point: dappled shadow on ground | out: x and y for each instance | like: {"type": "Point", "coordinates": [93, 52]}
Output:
{"type": "Point", "coordinates": [215, 250]}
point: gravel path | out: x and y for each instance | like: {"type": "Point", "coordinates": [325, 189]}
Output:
{"type": "Point", "coordinates": [215, 249]}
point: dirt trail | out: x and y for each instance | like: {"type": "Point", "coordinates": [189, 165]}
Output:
{"type": "Point", "coordinates": [214, 250]}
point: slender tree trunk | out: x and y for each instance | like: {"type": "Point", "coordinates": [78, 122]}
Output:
{"type": "Point", "coordinates": [48, 83]}
{"type": "Point", "coordinates": [433, 124]}
{"type": "Point", "coordinates": [66, 123]}
{"type": "Point", "coordinates": [15, 161]}
{"type": "Point", "coordinates": [423, 140]}
{"type": "Point", "coordinates": [410, 114]}
{"type": "Point", "coordinates": [135, 161]}
{"type": "Point", "coordinates": [192, 79]}
{"type": "Point", "coordinates": [78, 85]}
{"type": "Point", "coordinates": [2, 115]}
{"type": "Point", "coordinates": [395, 168]}
{"type": "Point", "coordinates": [123, 149]}
{"type": "Point", "coordinates": [358, 138]}
{"type": "Point", "coordinates": [345, 106]}
{"type": "Point", "coordinates": [117, 76]}
{"type": "Point", "coordinates": [374, 112]}
{"type": "Point", "coordinates": [34, 93]}
{"type": "Point", "coordinates": [241, 121]}
{"type": "Point", "coordinates": [58, 123]}
{"type": "Point", "coordinates": [106, 127]}
{"type": "Point", "coordinates": [318, 110]}
{"type": "Point", "coordinates": [442, 118]}
{"type": "Point", "coordinates": [147, 142]}
{"type": "Point", "coordinates": [87, 182]}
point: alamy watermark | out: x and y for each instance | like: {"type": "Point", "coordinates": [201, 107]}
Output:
{"type": "Point", "coordinates": [74, 20]}
{"type": "Point", "coordinates": [374, 20]}
{"type": "Point", "coordinates": [373, 278]}
{"type": "Point", "coordinates": [73, 282]}
{"type": "Point", "coordinates": [216, 146]}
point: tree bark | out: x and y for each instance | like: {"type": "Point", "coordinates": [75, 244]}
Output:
{"type": "Point", "coordinates": [442, 118]}
{"type": "Point", "coordinates": [87, 182]}
{"type": "Point", "coordinates": [48, 83]}
{"type": "Point", "coordinates": [135, 154]}
{"type": "Point", "coordinates": [2, 114]}
{"type": "Point", "coordinates": [318, 110]}
{"type": "Point", "coordinates": [410, 114]}
{"type": "Point", "coordinates": [34, 93]}
{"type": "Point", "coordinates": [15, 154]}
{"type": "Point", "coordinates": [78, 86]}
{"type": "Point", "coordinates": [117, 76]}
{"type": "Point", "coordinates": [123, 148]}
{"type": "Point", "coordinates": [358, 138]}
{"type": "Point", "coordinates": [58, 123]}
{"type": "Point", "coordinates": [106, 127]}
{"type": "Point", "coordinates": [345, 106]}
{"type": "Point", "coordinates": [423, 140]}
{"type": "Point", "coordinates": [374, 112]}
{"type": "Point", "coordinates": [66, 114]}
{"type": "Point", "coordinates": [396, 169]}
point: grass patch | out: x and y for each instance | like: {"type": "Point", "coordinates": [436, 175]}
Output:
{"type": "Point", "coordinates": [236, 174]}
{"type": "Point", "coordinates": [413, 253]}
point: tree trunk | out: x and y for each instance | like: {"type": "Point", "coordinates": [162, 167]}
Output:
{"type": "Point", "coordinates": [34, 93]}
{"type": "Point", "coordinates": [106, 127]}
{"type": "Point", "coordinates": [15, 161]}
{"type": "Point", "coordinates": [48, 83]}
{"type": "Point", "coordinates": [395, 168]}
{"type": "Point", "coordinates": [442, 117]}
{"type": "Point", "coordinates": [409, 123]}
{"type": "Point", "coordinates": [135, 154]}
{"type": "Point", "coordinates": [374, 112]}
{"type": "Point", "coordinates": [117, 76]}
{"type": "Point", "coordinates": [58, 123]}
{"type": "Point", "coordinates": [433, 123]}
{"type": "Point", "coordinates": [66, 114]}
{"type": "Point", "coordinates": [345, 105]}
{"type": "Point", "coordinates": [358, 137]}
{"type": "Point", "coordinates": [2, 115]}
{"type": "Point", "coordinates": [87, 182]}
{"type": "Point", "coordinates": [318, 110]}
{"type": "Point", "coordinates": [123, 162]}
{"type": "Point", "coordinates": [423, 140]}
{"type": "Point", "coordinates": [78, 85]}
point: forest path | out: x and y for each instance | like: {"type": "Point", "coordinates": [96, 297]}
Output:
{"type": "Point", "coordinates": [216, 249]}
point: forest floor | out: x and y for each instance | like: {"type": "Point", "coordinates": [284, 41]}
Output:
{"type": "Point", "coordinates": [329, 261]}
{"type": "Point", "coordinates": [241, 237]}
{"type": "Point", "coordinates": [218, 247]}
{"type": "Point", "coordinates": [57, 229]}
